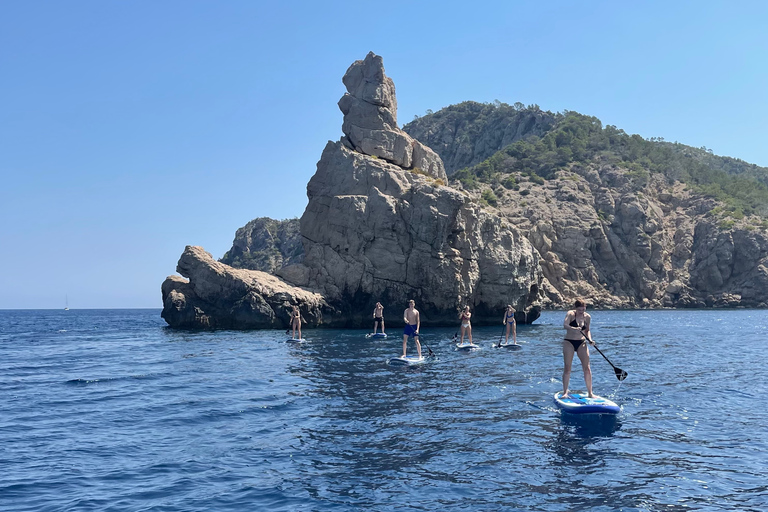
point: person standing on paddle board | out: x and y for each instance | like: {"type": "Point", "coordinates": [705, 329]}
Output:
{"type": "Point", "coordinates": [296, 322]}
{"type": "Point", "coordinates": [466, 326]}
{"type": "Point", "coordinates": [412, 321]}
{"type": "Point", "coordinates": [509, 321]}
{"type": "Point", "coordinates": [378, 317]}
{"type": "Point", "coordinates": [576, 326]}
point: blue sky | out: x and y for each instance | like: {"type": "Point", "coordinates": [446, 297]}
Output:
{"type": "Point", "coordinates": [131, 129]}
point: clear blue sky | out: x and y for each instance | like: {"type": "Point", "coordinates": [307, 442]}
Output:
{"type": "Point", "coordinates": [131, 129]}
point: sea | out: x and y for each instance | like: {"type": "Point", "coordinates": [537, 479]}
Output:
{"type": "Point", "coordinates": [111, 410]}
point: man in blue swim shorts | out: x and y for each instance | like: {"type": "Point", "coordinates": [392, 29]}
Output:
{"type": "Point", "coordinates": [412, 323]}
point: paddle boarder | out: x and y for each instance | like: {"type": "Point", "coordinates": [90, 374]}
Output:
{"type": "Point", "coordinates": [296, 322]}
{"type": "Point", "coordinates": [378, 317]}
{"type": "Point", "coordinates": [412, 321]}
{"type": "Point", "coordinates": [577, 333]}
{"type": "Point", "coordinates": [466, 326]}
{"type": "Point", "coordinates": [509, 321]}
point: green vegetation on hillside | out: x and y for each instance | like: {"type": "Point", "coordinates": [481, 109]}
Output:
{"type": "Point", "coordinates": [580, 139]}
{"type": "Point", "coordinates": [469, 132]}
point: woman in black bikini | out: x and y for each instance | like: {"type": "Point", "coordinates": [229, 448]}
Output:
{"type": "Point", "coordinates": [296, 320]}
{"type": "Point", "coordinates": [576, 326]}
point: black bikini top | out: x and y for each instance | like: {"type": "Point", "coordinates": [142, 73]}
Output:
{"type": "Point", "coordinates": [574, 323]}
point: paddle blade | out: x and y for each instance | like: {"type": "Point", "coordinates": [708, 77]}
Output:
{"type": "Point", "coordinates": [620, 374]}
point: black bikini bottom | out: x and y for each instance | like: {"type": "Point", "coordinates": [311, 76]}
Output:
{"type": "Point", "coordinates": [576, 343]}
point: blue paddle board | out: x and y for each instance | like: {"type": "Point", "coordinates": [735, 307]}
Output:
{"type": "Point", "coordinates": [466, 346]}
{"type": "Point", "coordinates": [377, 335]}
{"type": "Point", "coordinates": [510, 346]}
{"type": "Point", "coordinates": [295, 340]}
{"type": "Point", "coordinates": [579, 403]}
{"type": "Point", "coordinates": [407, 360]}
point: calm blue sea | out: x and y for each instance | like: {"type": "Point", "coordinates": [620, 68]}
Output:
{"type": "Point", "coordinates": [109, 410]}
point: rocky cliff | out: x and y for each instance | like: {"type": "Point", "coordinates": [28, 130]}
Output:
{"type": "Point", "coordinates": [381, 225]}
{"type": "Point", "coordinates": [601, 238]}
{"type": "Point", "coordinates": [217, 296]}
{"type": "Point", "coordinates": [627, 222]}
{"type": "Point", "coordinates": [266, 244]}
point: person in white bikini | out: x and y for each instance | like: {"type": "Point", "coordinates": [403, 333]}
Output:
{"type": "Point", "coordinates": [466, 326]}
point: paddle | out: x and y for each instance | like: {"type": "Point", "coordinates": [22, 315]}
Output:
{"type": "Point", "coordinates": [431, 354]}
{"type": "Point", "coordinates": [620, 374]}
{"type": "Point", "coordinates": [503, 328]}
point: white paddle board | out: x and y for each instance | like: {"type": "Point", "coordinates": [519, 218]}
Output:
{"type": "Point", "coordinates": [580, 403]}
{"type": "Point", "coordinates": [407, 360]}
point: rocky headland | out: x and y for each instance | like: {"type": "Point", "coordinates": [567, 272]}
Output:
{"type": "Point", "coordinates": [619, 220]}
{"type": "Point", "coordinates": [386, 222]}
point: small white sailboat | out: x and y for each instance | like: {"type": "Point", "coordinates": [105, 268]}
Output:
{"type": "Point", "coordinates": [66, 303]}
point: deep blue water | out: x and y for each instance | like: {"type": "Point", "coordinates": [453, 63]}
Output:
{"type": "Point", "coordinates": [111, 410]}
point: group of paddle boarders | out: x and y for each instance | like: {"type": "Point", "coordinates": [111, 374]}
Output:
{"type": "Point", "coordinates": [412, 321]}
{"type": "Point", "coordinates": [576, 325]}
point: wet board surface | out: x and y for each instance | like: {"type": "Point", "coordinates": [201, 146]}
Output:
{"type": "Point", "coordinates": [579, 403]}
{"type": "Point", "coordinates": [467, 346]}
{"type": "Point", "coordinates": [295, 340]}
{"type": "Point", "coordinates": [510, 346]}
{"type": "Point", "coordinates": [377, 335]}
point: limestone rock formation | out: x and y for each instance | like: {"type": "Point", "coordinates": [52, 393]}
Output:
{"type": "Point", "coordinates": [266, 244]}
{"type": "Point", "coordinates": [374, 231]}
{"type": "Point", "coordinates": [370, 120]}
{"type": "Point", "coordinates": [622, 246]}
{"type": "Point", "coordinates": [380, 226]}
{"type": "Point", "coordinates": [217, 296]}
{"type": "Point", "coordinates": [623, 231]}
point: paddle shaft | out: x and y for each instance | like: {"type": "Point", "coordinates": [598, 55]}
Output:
{"type": "Point", "coordinates": [417, 335]}
{"type": "Point", "coordinates": [503, 328]}
{"type": "Point", "coordinates": [620, 374]}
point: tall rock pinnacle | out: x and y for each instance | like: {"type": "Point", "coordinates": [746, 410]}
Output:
{"type": "Point", "coordinates": [370, 120]}
{"type": "Point", "coordinates": [380, 225]}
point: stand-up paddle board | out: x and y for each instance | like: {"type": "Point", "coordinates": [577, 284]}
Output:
{"type": "Point", "coordinates": [510, 346]}
{"type": "Point", "coordinates": [579, 403]}
{"type": "Point", "coordinates": [466, 346]}
{"type": "Point", "coordinates": [407, 360]}
{"type": "Point", "coordinates": [295, 340]}
{"type": "Point", "coordinates": [377, 335]}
